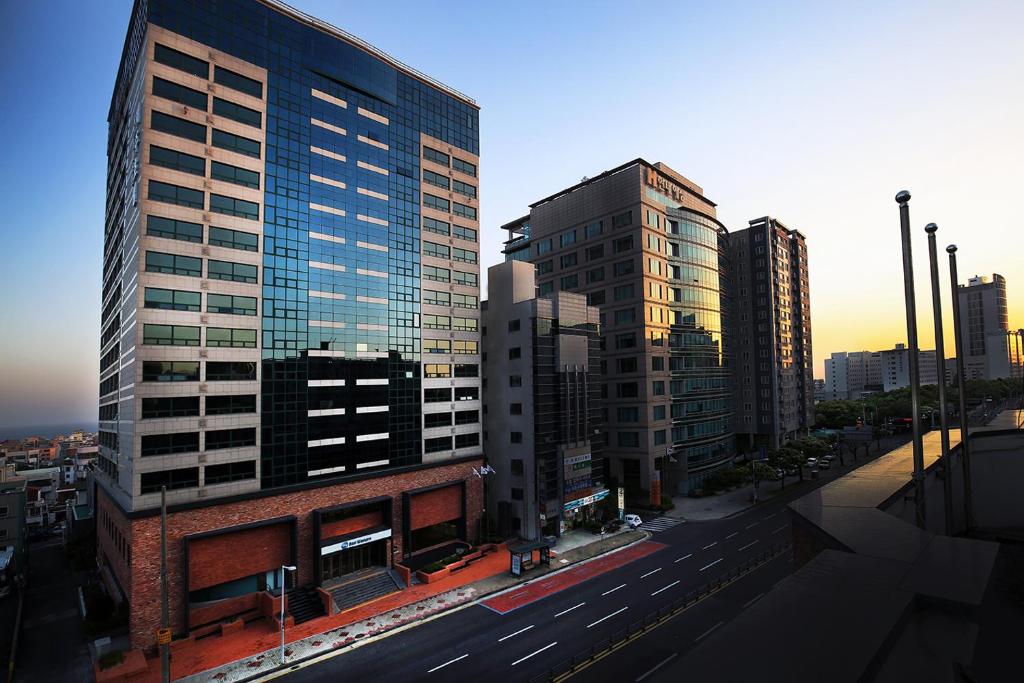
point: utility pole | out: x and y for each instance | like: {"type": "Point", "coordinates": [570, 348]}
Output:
{"type": "Point", "coordinates": [940, 368]}
{"type": "Point", "coordinates": [961, 381]}
{"type": "Point", "coordinates": [903, 199]}
{"type": "Point", "coordinates": [165, 648]}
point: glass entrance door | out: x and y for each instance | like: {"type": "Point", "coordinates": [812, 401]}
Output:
{"type": "Point", "coordinates": [337, 565]}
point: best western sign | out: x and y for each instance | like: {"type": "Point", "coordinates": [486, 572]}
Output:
{"type": "Point", "coordinates": [353, 542]}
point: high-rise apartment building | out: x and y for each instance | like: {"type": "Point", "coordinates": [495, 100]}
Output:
{"type": "Point", "coordinates": [851, 375]}
{"type": "Point", "coordinates": [991, 349]}
{"type": "Point", "coordinates": [543, 419]}
{"type": "Point", "coordinates": [643, 244]}
{"type": "Point", "coordinates": [291, 233]}
{"type": "Point", "coordinates": [772, 362]}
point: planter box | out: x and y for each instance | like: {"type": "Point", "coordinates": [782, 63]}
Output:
{"type": "Point", "coordinates": [133, 666]}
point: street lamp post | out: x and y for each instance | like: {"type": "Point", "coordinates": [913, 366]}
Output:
{"type": "Point", "coordinates": [940, 369]}
{"type": "Point", "coordinates": [290, 568]}
{"type": "Point", "coordinates": [961, 381]}
{"type": "Point", "coordinates": [903, 199]}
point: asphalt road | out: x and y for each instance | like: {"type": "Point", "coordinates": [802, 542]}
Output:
{"type": "Point", "coordinates": [518, 645]}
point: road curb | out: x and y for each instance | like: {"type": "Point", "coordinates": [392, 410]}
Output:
{"type": "Point", "coordinates": [334, 652]}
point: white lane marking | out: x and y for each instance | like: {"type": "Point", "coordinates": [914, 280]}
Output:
{"type": "Point", "coordinates": [747, 546]}
{"type": "Point", "coordinates": [522, 630]}
{"type": "Point", "coordinates": [735, 533]}
{"type": "Point", "coordinates": [712, 564]}
{"type": "Point", "coordinates": [535, 653]}
{"type": "Point", "coordinates": [697, 639]}
{"type": "Point", "coordinates": [608, 617]}
{"type": "Point", "coordinates": [570, 609]}
{"type": "Point", "coordinates": [658, 666]}
{"type": "Point", "coordinates": [683, 558]}
{"type": "Point", "coordinates": [644, 576]}
{"type": "Point", "coordinates": [779, 529]}
{"type": "Point", "coordinates": [612, 590]}
{"type": "Point", "coordinates": [771, 515]}
{"type": "Point", "coordinates": [430, 671]}
{"type": "Point", "coordinates": [751, 526]}
{"type": "Point", "coordinates": [753, 600]}
{"type": "Point", "coordinates": [710, 545]}
{"type": "Point", "coordinates": [664, 589]}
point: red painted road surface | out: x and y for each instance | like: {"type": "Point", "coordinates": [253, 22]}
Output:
{"type": "Point", "coordinates": [506, 602]}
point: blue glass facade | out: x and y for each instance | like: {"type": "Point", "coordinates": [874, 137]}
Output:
{"type": "Point", "coordinates": [343, 305]}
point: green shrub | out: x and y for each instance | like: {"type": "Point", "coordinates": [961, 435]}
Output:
{"type": "Point", "coordinates": [433, 567]}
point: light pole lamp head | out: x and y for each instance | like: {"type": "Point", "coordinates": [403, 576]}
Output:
{"type": "Point", "coordinates": [951, 249]}
{"type": "Point", "coordinates": [288, 567]}
{"type": "Point", "coordinates": [902, 197]}
{"type": "Point", "coordinates": [931, 228]}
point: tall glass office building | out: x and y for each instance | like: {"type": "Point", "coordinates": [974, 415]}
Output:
{"type": "Point", "coordinates": [290, 338]}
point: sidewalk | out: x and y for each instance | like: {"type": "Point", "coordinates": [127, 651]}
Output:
{"type": "Point", "coordinates": [726, 504]}
{"type": "Point", "coordinates": [254, 650]}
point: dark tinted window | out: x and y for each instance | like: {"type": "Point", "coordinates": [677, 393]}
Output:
{"type": "Point", "coordinates": [179, 161]}
{"type": "Point", "coordinates": [234, 174]}
{"type": "Point", "coordinates": [179, 127]}
{"type": "Point", "coordinates": [236, 143]}
{"type": "Point", "coordinates": [234, 272]}
{"type": "Point", "coordinates": [170, 406]}
{"type": "Point", "coordinates": [230, 438]}
{"type": "Point", "coordinates": [185, 478]}
{"type": "Point", "coordinates": [175, 194]}
{"type": "Point", "coordinates": [179, 93]}
{"type": "Point", "coordinates": [231, 303]}
{"type": "Point", "coordinates": [170, 371]}
{"type": "Point", "coordinates": [165, 444]}
{"type": "Point", "coordinates": [234, 239]}
{"type": "Point", "coordinates": [231, 206]}
{"type": "Point", "coordinates": [237, 112]}
{"type": "Point", "coordinates": [181, 61]}
{"type": "Point", "coordinates": [171, 299]}
{"type": "Point", "coordinates": [230, 471]}
{"type": "Point", "coordinates": [228, 405]}
{"type": "Point", "coordinates": [217, 371]}
{"type": "Point", "coordinates": [158, 226]}
{"type": "Point", "coordinates": [173, 264]}
{"type": "Point", "coordinates": [238, 82]}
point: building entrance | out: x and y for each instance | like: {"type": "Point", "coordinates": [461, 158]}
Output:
{"type": "Point", "coordinates": [336, 565]}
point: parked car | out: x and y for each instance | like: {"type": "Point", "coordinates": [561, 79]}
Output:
{"type": "Point", "coordinates": [812, 462]}
{"type": "Point", "coordinates": [792, 471]}
{"type": "Point", "coordinates": [829, 458]}
{"type": "Point", "coordinates": [824, 464]}
{"type": "Point", "coordinates": [633, 521]}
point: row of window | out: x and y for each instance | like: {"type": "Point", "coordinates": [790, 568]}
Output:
{"type": "Point", "coordinates": [199, 100]}
{"type": "Point", "coordinates": [188, 371]}
{"type": "Point", "coordinates": [444, 443]}
{"type": "Point", "coordinates": [459, 417]}
{"type": "Point", "coordinates": [185, 231]}
{"type": "Point", "coordinates": [188, 406]}
{"type": "Point", "coordinates": [446, 206]}
{"type": "Point", "coordinates": [448, 230]}
{"type": "Point", "coordinates": [198, 67]}
{"type": "Point", "coordinates": [187, 335]}
{"type": "Point", "coordinates": [442, 251]}
{"type": "Point", "coordinates": [439, 157]}
{"type": "Point", "coordinates": [446, 183]}
{"type": "Point", "coordinates": [182, 300]}
{"type": "Point", "coordinates": [435, 298]}
{"type": "Point", "coordinates": [197, 132]}
{"type": "Point", "coordinates": [445, 275]}
{"type": "Point", "coordinates": [449, 394]}
{"type": "Point", "coordinates": [196, 199]}
{"type": "Point", "coordinates": [444, 322]}
{"type": "Point", "coordinates": [192, 266]}
{"type": "Point", "coordinates": [188, 442]}
{"type": "Point", "coordinates": [456, 346]}
{"type": "Point", "coordinates": [439, 370]}
{"type": "Point", "coordinates": [188, 477]}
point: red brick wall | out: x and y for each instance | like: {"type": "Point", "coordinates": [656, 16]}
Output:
{"type": "Point", "coordinates": [145, 565]}
{"type": "Point", "coordinates": [215, 611]}
{"type": "Point", "coordinates": [236, 555]}
{"type": "Point", "coordinates": [435, 506]}
{"type": "Point", "coordinates": [347, 526]}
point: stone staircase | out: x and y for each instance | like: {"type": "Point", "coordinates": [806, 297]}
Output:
{"type": "Point", "coordinates": [304, 604]}
{"type": "Point", "coordinates": [367, 586]}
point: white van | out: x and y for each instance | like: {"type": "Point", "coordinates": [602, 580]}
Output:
{"type": "Point", "coordinates": [633, 521]}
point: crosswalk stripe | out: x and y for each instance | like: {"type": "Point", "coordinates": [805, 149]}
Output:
{"type": "Point", "coordinates": [661, 523]}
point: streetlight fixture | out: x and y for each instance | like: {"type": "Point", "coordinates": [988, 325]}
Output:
{"type": "Point", "coordinates": [290, 568]}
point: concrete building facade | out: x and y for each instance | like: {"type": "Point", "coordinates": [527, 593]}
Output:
{"type": "Point", "coordinates": [643, 244]}
{"type": "Point", "coordinates": [772, 360]}
{"type": "Point", "coordinates": [992, 349]}
{"type": "Point", "coordinates": [291, 232]}
{"type": "Point", "coordinates": [542, 423]}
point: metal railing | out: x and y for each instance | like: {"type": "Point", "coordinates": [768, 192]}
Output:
{"type": "Point", "coordinates": [565, 668]}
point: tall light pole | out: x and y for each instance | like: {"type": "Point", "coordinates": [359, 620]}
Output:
{"type": "Point", "coordinates": [940, 370]}
{"type": "Point", "coordinates": [961, 382]}
{"type": "Point", "coordinates": [290, 568]}
{"type": "Point", "coordinates": [903, 199]}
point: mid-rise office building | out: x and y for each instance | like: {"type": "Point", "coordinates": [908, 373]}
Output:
{"type": "Point", "coordinates": [291, 232]}
{"type": "Point", "coordinates": [643, 244]}
{"type": "Point", "coordinates": [542, 420]}
{"type": "Point", "coordinates": [991, 349]}
{"type": "Point", "coordinates": [772, 360]}
{"type": "Point", "coordinates": [852, 375]}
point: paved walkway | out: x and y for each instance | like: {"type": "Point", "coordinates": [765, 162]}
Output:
{"type": "Point", "coordinates": [255, 649]}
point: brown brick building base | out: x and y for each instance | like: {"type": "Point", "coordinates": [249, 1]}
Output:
{"type": "Point", "coordinates": [128, 544]}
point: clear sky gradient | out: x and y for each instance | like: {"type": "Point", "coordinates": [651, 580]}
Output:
{"type": "Point", "coordinates": [814, 113]}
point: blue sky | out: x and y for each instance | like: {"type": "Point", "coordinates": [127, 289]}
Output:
{"type": "Point", "coordinates": [815, 113]}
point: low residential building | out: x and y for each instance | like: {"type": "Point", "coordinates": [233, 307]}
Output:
{"type": "Point", "coordinates": [542, 423]}
{"type": "Point", "coordinates": [13, 529]}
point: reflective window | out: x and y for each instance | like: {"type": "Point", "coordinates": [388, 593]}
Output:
{"type": "Point", "coordinates": [181, 128]}
{"type": "Point", "coordinates": [234, 239]}
{"type": "Point", "coordinates": [170, 371]}
{"type": "Point", "coordinates": [232, 206]}
{"type": "Point", "coordinates": [170, 335]}
{"type": "Point", "coordinates": [237, 112]}
{"type": "Point", "coordinates": [464, 166]}
{"type": "Point", "coordinates": [233, 272]}
{"type": "Point", "coordinates": [236, 143]}
{"type": "Point", "coordinates": [173, 264]}
{"type": "Point", "coordinates": [435, 179]}
{"type": "Point", "coordinates": [158, 226]}
{"type": "Point", "coordinates": [178, 161]}
{"type": "Point", "coordinates": [230, 337]}
{"type": "Point", "coordinates": [166, 444]}
{"type": "Point", "coordinates": [175, 194]}
{"type": "Point", "coordinates": [436, 226]}
{"type": "Point", "coordinates": [231, 303]}
{"type": "Point", "coordinates": [181, 61]}
{"type": "Point", "coordinates": [234, 174]}
{"type": "Point", "coordinates": [236, 81]}
{"type": "Point", "coordinates": [179, 93]}
{"type": "Point", "coordinates": [217, 371]}
{"type": "Point", "coordinates": [172, 299]}
{"type": "Point", "coordinates": [229, 471]}
{"type": "Point", "coordinates": [435, 156]}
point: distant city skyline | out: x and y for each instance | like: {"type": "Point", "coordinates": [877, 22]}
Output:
{"type": "Point", "coordinates": [808, 122]}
